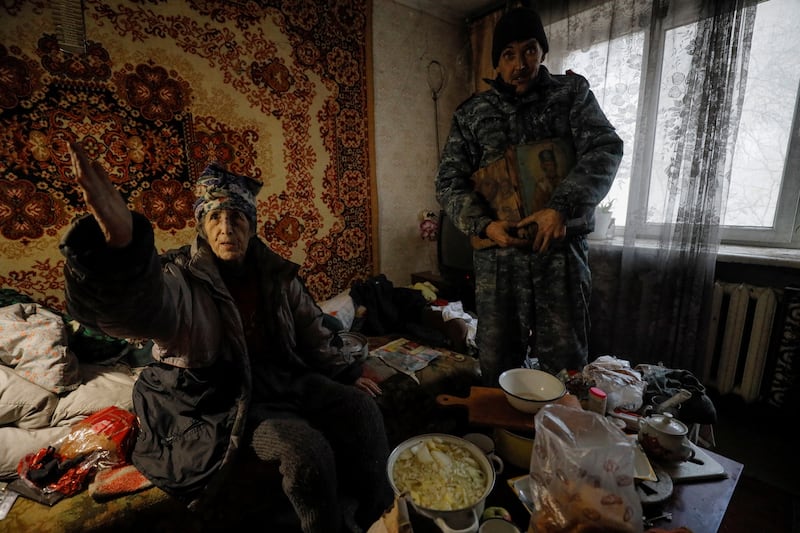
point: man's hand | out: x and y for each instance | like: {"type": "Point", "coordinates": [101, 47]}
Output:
{"type": "Point", "coordinates": [550, 226]}
{"type": "Point", "coordinates": [502, 234]}
{"type": "Point", "coordinates": [102, 199]}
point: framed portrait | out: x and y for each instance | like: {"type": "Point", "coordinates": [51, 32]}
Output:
{"type": "Point", "coordinates": [521, 182]}
{"type": "Point", "coordinates": [541, 167]}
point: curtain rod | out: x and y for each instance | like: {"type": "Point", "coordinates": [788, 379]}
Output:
{"type": "Point", "coordinates": [495, 6]}
{"type": "Point", "coordinates": [482, 12]}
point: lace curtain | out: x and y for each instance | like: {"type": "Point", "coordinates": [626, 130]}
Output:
{"type": "Point", "coordinates": [651, 295]}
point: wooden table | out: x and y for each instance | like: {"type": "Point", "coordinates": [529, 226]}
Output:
{"type": "Point", "coordinates": [701, 505]}
{"type": "Point", "coordinates": [698, 505]}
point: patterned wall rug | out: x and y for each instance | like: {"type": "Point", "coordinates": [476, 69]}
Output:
{"type": "Point", "coordinates": [273, 89]}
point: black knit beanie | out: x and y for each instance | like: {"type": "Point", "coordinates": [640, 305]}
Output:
{"type": "Point", "coordinates": [518, 24]}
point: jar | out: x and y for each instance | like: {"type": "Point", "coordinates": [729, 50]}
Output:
{"type": "Point", "coordinates": [597, 400]}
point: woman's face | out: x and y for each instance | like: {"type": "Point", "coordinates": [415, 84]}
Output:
{"type": "Point", "coordinates": [519, 63]}
{"type": "Point", "coordinates": [228, 232]}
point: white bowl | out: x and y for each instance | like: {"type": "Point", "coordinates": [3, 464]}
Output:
{"type": "Point", "coordinates": [528, 389]}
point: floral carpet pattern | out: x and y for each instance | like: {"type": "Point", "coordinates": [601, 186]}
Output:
{"type": "Point", "coordinates": [273, 89]}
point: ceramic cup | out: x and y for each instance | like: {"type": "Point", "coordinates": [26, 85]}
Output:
{"type": "Point", "coordinates": [486, 444]}
{"type": "Point", "coordinates": [497, 525]}
{"type": "Point", "coordinates": [663, 437]}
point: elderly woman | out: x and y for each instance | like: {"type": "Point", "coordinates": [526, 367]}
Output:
{"type": "Point", "coordinates": [243, 356]}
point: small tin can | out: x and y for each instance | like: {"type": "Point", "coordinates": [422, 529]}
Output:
{"type": "Point", "coordinates": [355, 345]}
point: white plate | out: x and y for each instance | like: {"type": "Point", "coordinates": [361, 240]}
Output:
{"type": "Point", "coordinates": [642, 469]}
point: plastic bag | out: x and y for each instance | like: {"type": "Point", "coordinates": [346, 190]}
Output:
{"type": "Point", "coordinates": [102, 440]}
{"type": "Point", "coordinates": [623, 385]}
{"type": "Point", "coordinates": [582, 474]}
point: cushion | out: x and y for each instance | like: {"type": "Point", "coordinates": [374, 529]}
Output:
{"type": "Point", "coordinates": [33, 341]}
{"type": "Point", "coordinates": [340, 306]}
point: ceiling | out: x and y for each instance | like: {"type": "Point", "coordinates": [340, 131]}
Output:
{"type": "Point", "coordinates": [450, 10]}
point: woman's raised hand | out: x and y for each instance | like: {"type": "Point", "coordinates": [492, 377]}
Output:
{"type": "Point", "coordinates": [102, 199]}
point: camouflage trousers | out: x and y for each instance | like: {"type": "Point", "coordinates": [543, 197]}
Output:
{"type": "Point", "coordinates": [527, 299]}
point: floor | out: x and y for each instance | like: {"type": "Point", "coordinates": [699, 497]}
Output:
{"type": "Point", "coordinates": [767, 497]}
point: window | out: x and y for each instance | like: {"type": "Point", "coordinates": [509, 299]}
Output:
{"type": "Point", "coordinates": [764, 185]}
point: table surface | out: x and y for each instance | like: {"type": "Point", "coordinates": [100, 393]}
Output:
{"type": "Point", "coordinates": [697, 505]}
{"type": "Point", "coordinates": [701, 505]}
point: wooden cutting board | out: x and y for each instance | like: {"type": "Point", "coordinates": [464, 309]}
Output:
{"type": "Point", "coordinates": [488, 406]}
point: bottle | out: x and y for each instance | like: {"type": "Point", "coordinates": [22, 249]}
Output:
{"type": "Point", "coordinates": [597, 400]}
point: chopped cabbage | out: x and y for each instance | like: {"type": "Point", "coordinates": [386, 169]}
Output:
{"type": "Point", "coordinates": [440, 475]}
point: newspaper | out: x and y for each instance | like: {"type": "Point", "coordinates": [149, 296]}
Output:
{"type": "Point", "coordinates": [406, 356]}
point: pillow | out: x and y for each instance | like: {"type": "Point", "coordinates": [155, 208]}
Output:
{"type": "Point", "coordinates": [340, 306]}
{"type": "Point", "coordinates": [33, 341]}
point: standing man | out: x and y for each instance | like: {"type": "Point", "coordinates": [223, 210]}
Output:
{"type": "Point", "coordinates": [535, 290]}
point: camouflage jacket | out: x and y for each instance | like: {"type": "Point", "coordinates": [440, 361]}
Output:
{"type": "Point", "coordinates": [556, 106]}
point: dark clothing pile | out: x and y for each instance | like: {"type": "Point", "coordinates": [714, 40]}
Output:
{"type": "Point", "coordinates": [664, 383]}
{"type": "Point", "coordinates": [391, 309]}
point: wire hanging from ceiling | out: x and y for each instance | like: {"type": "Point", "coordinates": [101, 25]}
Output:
{"type": "Point", "coordinates": [70, 25]}
{"type": "Point", "coordinates": [436, 82]}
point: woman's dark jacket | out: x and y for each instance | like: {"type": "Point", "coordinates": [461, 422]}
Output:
{"type": "Point", "coordinates": [192, 403]}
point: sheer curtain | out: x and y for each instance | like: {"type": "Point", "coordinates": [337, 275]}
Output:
{"type": "Point", "coordinates": [671, 76]}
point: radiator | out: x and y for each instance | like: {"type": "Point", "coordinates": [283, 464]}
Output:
{"type": "Point", "coordinates": [742, 318]}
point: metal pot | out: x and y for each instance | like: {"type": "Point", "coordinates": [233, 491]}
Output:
{"type": "Point", "coordinates": [514, 448]}
{"type": "Point", "coordinates": [464, 520]}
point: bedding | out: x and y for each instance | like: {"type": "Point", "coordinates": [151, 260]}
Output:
{"type": "Point", "coordinates": [45, 387]}
{"type": "Point", "coordinates": [33, 341]}
{"type": "Point", "coordinates": [32, 418]}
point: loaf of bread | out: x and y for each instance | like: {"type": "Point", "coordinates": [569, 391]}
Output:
{"type": "Point", "coordinates": [587, 510]}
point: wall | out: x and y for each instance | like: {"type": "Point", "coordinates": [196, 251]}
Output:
{"type": "Point", "coordinates": [405, 41]}
{"type": "Point", "coordinates": [404, 157]}
{"type": "Point", "coordinates": [163, 89]}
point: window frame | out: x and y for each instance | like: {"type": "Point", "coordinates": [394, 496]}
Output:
{"type": "Point", "coordinates": [784, 232]}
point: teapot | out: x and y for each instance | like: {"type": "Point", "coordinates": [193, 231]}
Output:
{"type": "Point", "coordinates": [663, 437]}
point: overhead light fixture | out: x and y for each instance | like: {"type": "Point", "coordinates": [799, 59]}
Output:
{"type": "Point", "coordinates": [70, 25]}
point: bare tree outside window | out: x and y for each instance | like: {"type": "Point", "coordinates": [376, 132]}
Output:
{"type": "Point", "coordinates": [764, 182]}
